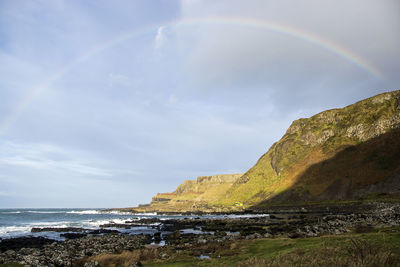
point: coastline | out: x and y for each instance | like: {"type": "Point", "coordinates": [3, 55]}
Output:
{"type": "Point", "coordinates": [173, 234]}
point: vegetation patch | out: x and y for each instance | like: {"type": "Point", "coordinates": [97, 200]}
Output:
{"type": "Point", "coordinates": [371, 249]}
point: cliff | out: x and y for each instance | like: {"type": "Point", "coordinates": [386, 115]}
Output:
{"type": "Point", "coordinates": [346, 153]}
{"type": "Point", "coordinates": [338, 154]}
{"type": "Point", "coordinates": [201, 194]}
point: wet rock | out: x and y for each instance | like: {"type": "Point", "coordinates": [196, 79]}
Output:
{"type": "Point", "coordinates": [58, 229]}
{"type": "Point", "coordinates": [73, 235]}
{"type": "Point", "coordinates": [157, 237]}
{"type": "Point", "coordinates": [136, 264]}
{"type": "Point", "coordinates": [103, 231]}
{"type": "Point", "coordinates": [24, 242]}
{"type": "Point", "coordinates": [145, 221]}
{"type": "Point", "coordinates": [118, 225]}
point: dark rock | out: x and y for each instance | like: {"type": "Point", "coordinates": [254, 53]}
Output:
{"type": "Point", "coordinates": [73, 235]}
{"type": "Point", "coordinates": [118, 225]}
{"type": "Point", "coordinates": [58, 230]}
{"type": "Point", "coordinates": [24, 242]}
{"type": "Point", "coordinates": [136, 264]}
{"type": "Point", "coordinates": [157, 237]}
{"type": "Point", "coordinates": [294, 235]}
{"type": "Point", "coordinates": [103, 231]}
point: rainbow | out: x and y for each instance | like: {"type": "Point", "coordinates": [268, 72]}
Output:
{"type": "Point", "coordinates": [294, 32]}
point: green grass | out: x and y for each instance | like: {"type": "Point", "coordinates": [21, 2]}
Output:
{"type": "Point", "coordinates": [356, 249]}
{"type": "Point", "coordinates": [350, 248]}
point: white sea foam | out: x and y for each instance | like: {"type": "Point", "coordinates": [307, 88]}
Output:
{"type": "Point", "coordinates": [51, 224]}
{"type": "Point", "coordinates": [114, 212]}
{"type": "Point", "coordinates": [82, 212]}
{"type": "Point", "coordinates": [10, 212]}
{"type": "Point", "coordinates": [194, 231]}
{"type": "Point", "coordinates": [101, 222]}
{"type": "Point", "coordinates": [13, 229]}
{"type": "Point", "coordinates": [21, 231]}
{"type": "Point", "coordinates": [145, 214]}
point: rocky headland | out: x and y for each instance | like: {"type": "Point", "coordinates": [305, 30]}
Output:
{"type": "Point", "coordinates": [350, 153]}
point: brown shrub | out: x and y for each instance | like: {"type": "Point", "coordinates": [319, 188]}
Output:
{"type": "Point", "coordinates": [126, 258]}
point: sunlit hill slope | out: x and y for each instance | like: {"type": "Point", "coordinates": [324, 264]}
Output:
{"type": "Point", "coordinates": [338, 154]}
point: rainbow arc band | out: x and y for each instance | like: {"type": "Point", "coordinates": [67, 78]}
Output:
{"type": "Point", "coordinates": [294, 32]}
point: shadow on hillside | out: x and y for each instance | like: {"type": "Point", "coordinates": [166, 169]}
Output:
{"type": "Point", "coordinates": [372, 167]}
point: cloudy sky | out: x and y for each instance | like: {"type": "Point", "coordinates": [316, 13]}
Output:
{"type": "Point", "coordinates": [105, 103]}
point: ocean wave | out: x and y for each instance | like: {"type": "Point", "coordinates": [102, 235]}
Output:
{"type": "Point", "coordinates": [50, 224]}
{"type": "Point", "coordinates": [111, 212]}
{"type": "Point", "coordinates": [7, 230]}
{"type": "Point", "coordinates": [44, 212]}
{"type": "Point", "coordinates": [84, 212]}
{"type": "Point", "coordinates": [23, 231]}
{"type": "Point", "coordinates": [102, 222]}
{"type": "Point", "coordinates": [145, 214]}
{"type": "Point", "coordinates": [31, 211]}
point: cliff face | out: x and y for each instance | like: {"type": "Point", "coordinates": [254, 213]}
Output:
{"type": "Point", "coordinates": [204, 183]}
{"type": "Point", "coordinates": [200, 194]}
{"type": "Point", "coordinates": [336, 154]}
{"type": "Point", "coordinates": [344, 153]}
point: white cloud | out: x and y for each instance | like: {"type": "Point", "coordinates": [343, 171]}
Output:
{"type": "Point", "coordinates": [160, 38]}
{"type": "Point", "coordinates": [48, 158]}
{"type": "Point", "coordinates": [7, 194]}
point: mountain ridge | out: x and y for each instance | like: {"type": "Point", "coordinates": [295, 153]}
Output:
{"type": "Point", "coordinates": [337, 154]}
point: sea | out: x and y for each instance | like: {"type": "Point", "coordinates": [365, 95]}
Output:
{"type": "Point", "coordinates": [19, 222]}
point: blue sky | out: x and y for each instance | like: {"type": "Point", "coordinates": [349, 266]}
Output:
{"type": "Point", "coordinates": [106, 103]}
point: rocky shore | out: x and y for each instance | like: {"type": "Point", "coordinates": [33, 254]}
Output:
{"type": "Point", "coordinates": [191, 233]}
{"type": "Point", "coordinates": [66, 253]}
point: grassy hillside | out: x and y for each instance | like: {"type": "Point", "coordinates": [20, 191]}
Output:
{"type": "Point", "coordinates": [347, 153]}
{"type": "Point", "coordinates": [336, 154]}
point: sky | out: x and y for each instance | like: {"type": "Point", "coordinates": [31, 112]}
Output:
{"type": "Point", "coordinates": [106, 103]}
